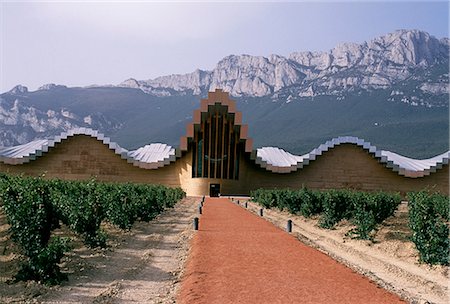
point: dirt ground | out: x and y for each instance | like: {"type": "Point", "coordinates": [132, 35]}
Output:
{"type": "Point", "coordinates": [143, 265]}
{"type": "Point", "coordinates": [391, 260]}
{"type": "Point", "coordinates": [144, 259]}
{"type": "Point", "coordinates": [238, 257]}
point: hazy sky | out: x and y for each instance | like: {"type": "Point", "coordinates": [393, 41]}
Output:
{"type": "Point", "coordinates": [79, 43]}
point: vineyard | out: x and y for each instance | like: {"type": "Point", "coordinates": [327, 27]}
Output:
{"type": "Point", "coordinates": [428, 214]}
{"type": "Point", "coordinates": [35, 207]}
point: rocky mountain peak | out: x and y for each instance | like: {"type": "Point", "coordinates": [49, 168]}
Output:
{"type": "Point", "coordinates": [130, 83]}
{"type": "Point", "coordinates": [379, 63]}
{"type": "Point", "coordinates": [19, 89]}
{"type": "Point", "coordinates": [50, 86]}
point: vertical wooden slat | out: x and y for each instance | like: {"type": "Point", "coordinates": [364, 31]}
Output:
{"type": "Point", "coordinates": [194, 154]}
{"type": "Point", "coordinates": [216, 140]}
{"type": "Point", "coordinates": [223, 146]}
{"type": "Point", "coordinates": [230, 131]}
{"type": "Point", "coordinates": [203, 148]}
{"type": "Point", "coordinates": [236, 141]}
{"type": "Point", "coordinates": [209, 144]}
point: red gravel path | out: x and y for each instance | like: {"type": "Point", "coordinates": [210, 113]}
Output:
{"type": "Point", "coordinates": [237, 257]}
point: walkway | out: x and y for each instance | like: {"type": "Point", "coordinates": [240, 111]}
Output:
{"type": "Point", "coordinates": [237, 257]}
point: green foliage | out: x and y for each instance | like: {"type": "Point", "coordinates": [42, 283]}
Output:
{"type": "Point", "coordinates": [34, 207]}
{"type": "Point", "coordinates": [122, 206]}
{"type": "Point", "coordinates": [371, 209]}
{"type": "Point", "coordinates": [428, 219]}
{"type": "Point", "coordinates": [310, 202]}
{"type": "Point", "coordinates": [128, 202]}
{"type": "Point", "coordinates": [442, 205]}
{"type": "Point", "coordinates": [265, 198]}
{"type": "Point", "coordinates": [81, 206]}
{"type": "Point", "coordinates": [43, 265]}
{"type": "Point", "coordinates": [366, 210]}
{"type": "Point", "coordinates": [336, 206]}
{"type": "Point", "coordinates": [32, 217]}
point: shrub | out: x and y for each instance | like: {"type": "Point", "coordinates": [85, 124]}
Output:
{"type": "Point", "coordinates": [81, 206]}
{"type": "Point", "coordinates": [336, 206]}
{"type": "Point", "coordinates": [366, 210]}
{"type": "Point", "coordinates": [266, 198]}
{"type": "Point", "coordinates": [310, 202]}
{"type": "Point", "coordinates": [442, 205]}
{"type": "Point", "coordinates": [43, 264]}
{"type": "Point", "coordinates": [32, 217]}
{"type": "Point", "coordinates": [430, 228]}
{"type": "Point", "coordinates": [122, 205]}
{"type": "Point", "coordinates": [371, 209]}
{"type": "Point", "coordinates": [363, 215]}
{"type": "Point", "coordinates": [34, 207]}
{"type": "Point", "coordinates": [384, 205]}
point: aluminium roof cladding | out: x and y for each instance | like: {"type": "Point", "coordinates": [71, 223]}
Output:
{"type": "Point", "coordinates": [273, 159]}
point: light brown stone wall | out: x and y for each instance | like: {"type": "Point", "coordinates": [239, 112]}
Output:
{"type": "Point", "coordinates": [346, 166]}
{"type": "Point", "coordinates": [83, 157]}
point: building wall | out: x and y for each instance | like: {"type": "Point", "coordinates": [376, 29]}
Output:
{"type": "Point", "coordinates": [345, 166]}
{"type": "Point", "coordinates": [83, 157]}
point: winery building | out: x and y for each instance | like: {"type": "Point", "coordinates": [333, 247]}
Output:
{"type": "Point", "coordinates": [217, 156]}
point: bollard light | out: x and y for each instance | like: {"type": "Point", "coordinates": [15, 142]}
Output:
{"type": "Point", "coordinates": [289, 226]}
{"type": "Point", "coordinates": [196, 223]}
{"type": "Point", "coordinates": [245, 204]}
{"type": "Point", "coordinates": [200, 210]}
{"type": "Point", "coordinates": [261, 212]}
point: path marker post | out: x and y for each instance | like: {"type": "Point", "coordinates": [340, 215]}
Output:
{"type": "Point", "coordinates": [199, 209]}
{"type": "Point", "coordinates": [289, 226]}
{"type": "Point", "coordinates": [261, 212]}
{"type": "Point", "coordinates": [196, 223]}
{"type": "Point", "coordinates": [245, 204]}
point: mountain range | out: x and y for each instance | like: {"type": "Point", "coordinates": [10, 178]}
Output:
{"type": "Point", "coordinates": [392, 91]}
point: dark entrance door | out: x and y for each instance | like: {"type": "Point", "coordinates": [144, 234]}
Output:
{"type": "Point", "coordinates": [214, 190]}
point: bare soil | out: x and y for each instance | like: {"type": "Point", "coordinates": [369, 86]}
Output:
{"type": "Point", "coordinates": [142, 265]}
{"type": "Point", "coordinates": [238, 257]}
{"type": "Point", "coordinates": [390, 260]}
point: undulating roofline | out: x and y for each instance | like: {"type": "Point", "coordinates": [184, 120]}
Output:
{"type": "Point", "coordinates": [277, 160]}
{"type": "Point", "coordinates": [154, 156]}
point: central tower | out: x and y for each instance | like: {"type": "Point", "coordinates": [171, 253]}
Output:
{"type": "Point", "coordinates": [217, 138]}
{"type": "Point", "coordinates": [216, 144]}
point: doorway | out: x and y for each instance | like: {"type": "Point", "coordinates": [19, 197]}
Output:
{"type": "Point", "coordinates": [214, 190]}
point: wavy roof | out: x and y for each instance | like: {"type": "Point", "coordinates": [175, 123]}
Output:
{"type": "Point", "coordinates": [151, 156]}
{"type": "Point", "coordinates": [154, 156]}
{"type": "Point", "coordinates": [277, 160]}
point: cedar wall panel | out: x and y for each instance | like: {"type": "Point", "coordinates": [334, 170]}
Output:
{"type": "Point", "coordinates": [345, 166]}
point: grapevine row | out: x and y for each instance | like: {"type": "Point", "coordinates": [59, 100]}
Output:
{"type": "Point", "coordinates": [34, 207]}
{"type": "Point", "coordinates": [428, 214]}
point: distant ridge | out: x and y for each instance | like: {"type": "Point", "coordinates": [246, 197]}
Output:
{"type": "Point", "coordinates": [392, 91]}
{"type": "Point", "coordinates": [379, 63]}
